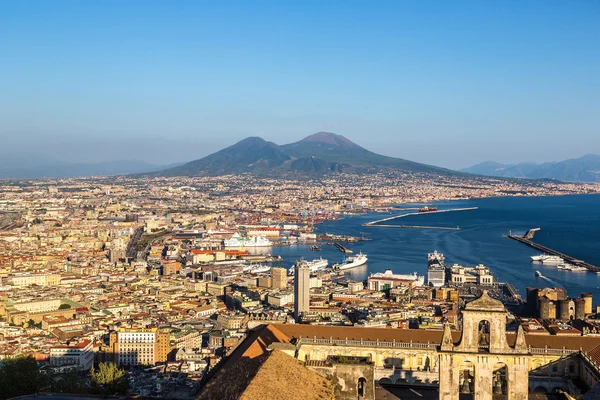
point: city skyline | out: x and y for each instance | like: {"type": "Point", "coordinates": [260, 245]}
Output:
{"type": "Point", "coordinates": [422, 81]}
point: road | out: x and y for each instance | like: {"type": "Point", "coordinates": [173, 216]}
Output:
{"type": "Point", "coordinates": [131, 247]}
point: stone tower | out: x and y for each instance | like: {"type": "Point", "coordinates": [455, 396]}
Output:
{"type": "Point", "coordinates": [483, 363]}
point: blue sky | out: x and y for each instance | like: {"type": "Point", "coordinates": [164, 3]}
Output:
{"type": "Point", "coordinates": [444, 82]}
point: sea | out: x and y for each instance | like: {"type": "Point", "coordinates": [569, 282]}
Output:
{"type": "Point", "coordinates": [569, 224]}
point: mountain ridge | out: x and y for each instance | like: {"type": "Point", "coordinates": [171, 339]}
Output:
{"type": "Point", "coordinates": [582, 169]}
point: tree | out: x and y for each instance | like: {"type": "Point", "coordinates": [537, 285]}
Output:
{"type": "Point", "coordinates": [20, 376]}
{"type": "Point", "coordinates": [109, 380]}
{"type": "Point", "coordinates": [64, 306]}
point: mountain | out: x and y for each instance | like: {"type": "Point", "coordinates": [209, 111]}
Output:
{"type": "Point", "coordinates": [317, 154]}
{"type": "Point", "coordinates": [582, 169]}
{"type": "Point", "coordinates": [35, 166]}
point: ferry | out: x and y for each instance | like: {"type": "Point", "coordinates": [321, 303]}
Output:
{"type": "Point", "coordinates": [314, 265]}
{"type": "Point", "coordinates": [552, 260]}
{"type": "Point", "coordinates": [256, 269]}
{"type": "Point", "coordinates": [539, 257]}
{"type": "Point", "coordinates": [352, 262]}
{"type": "Point", "coordinates": [240, 241]}
{"type": "Point", "coordinates": [427, 209]}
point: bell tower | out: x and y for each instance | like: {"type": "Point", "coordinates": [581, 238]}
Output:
{"type": "Point", "coordinates": [483, 363]}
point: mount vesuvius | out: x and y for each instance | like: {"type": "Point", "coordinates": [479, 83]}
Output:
{"type": "Point", "coordinates": [318, 154]}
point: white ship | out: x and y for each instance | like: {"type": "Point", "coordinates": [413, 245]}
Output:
{"type": "Point", "coordinates": [257, 269]}
{"type": "Point", "coordinates": [314, 265]}
{"type": "Point", "coordinates": [435, 258]}
{"type": "Point", "coordinates": [539, 257]}
{"type": "Point", "coordinates": [571, 267]}
{"type": "Point", "coordinates": [352, 262]}
{"type": "Point", "coordinates": [552, 260]}
{"type": "Point", "coordinates": [254, 241]}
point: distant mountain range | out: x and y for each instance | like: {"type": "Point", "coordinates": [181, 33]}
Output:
{"type": "Point", "coordinates": [36, 166]}
{"type": "Point", "coordinates": [582, 169]}
{"type": "Point", "coordinates": [316, 154]}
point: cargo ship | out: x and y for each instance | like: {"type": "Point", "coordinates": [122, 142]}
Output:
{"type": "Point", "coordinates": [427, 209]}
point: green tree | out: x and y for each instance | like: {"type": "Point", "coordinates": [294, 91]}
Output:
{"type": "Point", "coordinates": [64, 306]}
{"type": "Point", "coordinates": [109, 380]}
{"type": "Point", "coordinates": [20, 376]}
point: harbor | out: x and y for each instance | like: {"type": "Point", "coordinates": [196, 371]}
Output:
{"type": "Point", "coordinates": [435, 211]}
{"type": "Point", "coordinates": [571, 260]}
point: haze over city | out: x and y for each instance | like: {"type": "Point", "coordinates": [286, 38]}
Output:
{"type": "Point", "coordinates": [444, 83]}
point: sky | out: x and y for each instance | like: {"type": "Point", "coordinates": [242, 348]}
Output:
{"type": "Point", "coordinates": [448, 83]}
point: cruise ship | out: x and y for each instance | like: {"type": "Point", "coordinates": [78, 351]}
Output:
{"type": "Point", "coordinates": [314, 265]}
{"type": "Point", "coordinates": [352, 262]}
{"type": "Point", "coordinates": [435, 258]}
{"type": "Point", "coordinates": [253, 241]}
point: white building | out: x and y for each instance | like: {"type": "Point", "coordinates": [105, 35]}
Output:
{"type": "Point", "coordinates": [80, 355]}
{"type": "Point", "coordinates": [388, 280]}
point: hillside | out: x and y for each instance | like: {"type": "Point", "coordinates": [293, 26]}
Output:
{"type": "Point", "coordinates": [317, 154]}
{"type": "Point", "coordinates": [582, 169]}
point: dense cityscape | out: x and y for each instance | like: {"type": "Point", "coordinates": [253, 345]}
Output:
{"type": "Point", "coordinates": [164, 273]}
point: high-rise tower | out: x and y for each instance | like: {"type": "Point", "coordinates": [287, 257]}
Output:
{"type": "Point", "coordinates": [301, 289]}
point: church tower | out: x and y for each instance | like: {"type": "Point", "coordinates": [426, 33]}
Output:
{"type": "Point", "coordinates": [484, 362]}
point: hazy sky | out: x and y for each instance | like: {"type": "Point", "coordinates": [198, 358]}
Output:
{"type": "Point", "coordinates": [445, 82]}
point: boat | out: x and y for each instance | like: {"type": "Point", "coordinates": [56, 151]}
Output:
{"type": "Point", "coordinates": [577, 268]}
{"type": "Point", "coordinates": [435, 258]}
{"type": "Point", "coordinates": [427, 209]}
{"type": "Point", "coordinates": [351, 262]}
{"type": "Point", "coordinates": [539, 257]}
{"type": "Point", "coordinates": [538, 274]}
{"type": "Point", "coordinates": [240, 241]}
{"type": "Point", "coordinates": [315, 248]}
{"type": "Point", "coordinates": [552, 260]}
{"type": "Point", "coordinates": [314, 265]}
{"type": "Point", "coordinates": [256, 269]}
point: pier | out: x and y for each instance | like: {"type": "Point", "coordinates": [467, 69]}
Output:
{"type": "Point", "coordinates": [379, 221]}
{"type": "Point", "coordinates": [442, 228]}
{"type": "Point", "coordinates": [547, 250]}
{"type": "Point", "coordinates": [342, 248]}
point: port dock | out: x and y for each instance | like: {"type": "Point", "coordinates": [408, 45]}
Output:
{"type": "Point", "coordinates": [547, 250]}
{"type": "Point", "coordinates": [379, 221]}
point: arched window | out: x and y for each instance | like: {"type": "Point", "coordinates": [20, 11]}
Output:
{"type": "Point", "coordinates": [483, 335]}
{"type": "Point", "coordinates": [466, 380]}
{"type": "Point", "coordinates": [362, 383]}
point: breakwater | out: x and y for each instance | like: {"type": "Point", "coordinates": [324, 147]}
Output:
{"type": "Point", "coordinates": [379, 221]}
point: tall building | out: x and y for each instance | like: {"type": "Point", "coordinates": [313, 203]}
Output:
{"type": "Point", "coordinates": [279, 278]}
{"type": "Point", "coordinates": [436, 275]}
{"type": "Point", "coordinates": [140, 346]}
{"type": "Point", "coordinates": [301, 289]}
